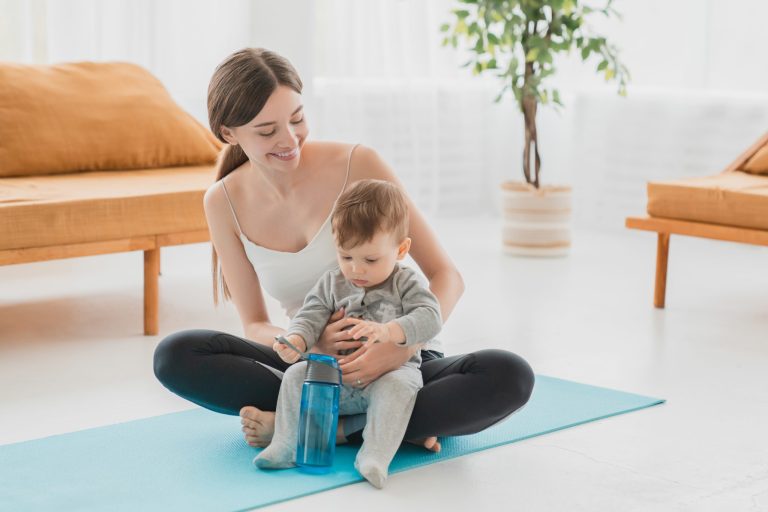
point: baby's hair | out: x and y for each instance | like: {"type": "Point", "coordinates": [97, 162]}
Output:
{"type": "Point", "coordinates": [368, 207]}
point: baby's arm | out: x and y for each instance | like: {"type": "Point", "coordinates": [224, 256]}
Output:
{"type": "Point", "coordinates": [308, 323]}
{"type": "Point", "coordinates": [420, 322]}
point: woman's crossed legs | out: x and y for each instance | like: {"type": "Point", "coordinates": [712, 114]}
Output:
{"type": "Point", "coordinates": [462, 394]}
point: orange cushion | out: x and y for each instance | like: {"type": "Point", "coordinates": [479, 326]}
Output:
{"type": "Point", "coordinates": [93, 116]}
{"type": "Point", "coordinates": [758, 163]}
{"type": "Point", "coordinates": [38, 211]}
{"type": "Point", "coordinates": [731, 198]}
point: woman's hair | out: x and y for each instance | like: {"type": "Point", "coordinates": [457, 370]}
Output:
{"type": "Point", "coordinates": [366, 208]}
{"type": "Point", "coordinates": [239, 88]}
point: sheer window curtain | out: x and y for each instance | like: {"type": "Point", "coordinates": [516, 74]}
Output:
{"type": "Point", "coordinates": [179, 41]}
{"type": "Point", "coordinates": [698, 98]}
{"type": "Point", "coordinates": [375, 73]}
{"type": "Point", "coordinates": [382, 78]}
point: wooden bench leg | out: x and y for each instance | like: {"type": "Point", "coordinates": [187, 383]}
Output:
{"type": "Point", "coordinates": [151, 273]}
{"type": "Point", "coordinates": [662, 255]}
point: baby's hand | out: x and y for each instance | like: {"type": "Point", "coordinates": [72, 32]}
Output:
{"type": "Point", "coordinates": [286, 353]}
{"type": "Point", "coordinates": [374, 331]}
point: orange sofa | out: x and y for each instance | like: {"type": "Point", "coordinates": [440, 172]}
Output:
{"type": "Point", "coordinates": [731, 206]}
{"type": "Point", "coordinates": [97, 158]}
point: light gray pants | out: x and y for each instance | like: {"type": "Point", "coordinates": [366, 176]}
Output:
{"type": "Point", "coordinates": [388, 402]}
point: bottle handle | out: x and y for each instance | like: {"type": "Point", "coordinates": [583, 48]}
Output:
{"type": "Point", "coordinates": [284, 341]}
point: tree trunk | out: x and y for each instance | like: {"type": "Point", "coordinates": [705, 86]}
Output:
{"type": "Point", "coordinates": [529, 105]}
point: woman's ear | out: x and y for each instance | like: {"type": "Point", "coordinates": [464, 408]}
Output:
{"type": "Point", "coordinates": [403, 249]}
{"type": "Point", "coordinates": [228, 135]}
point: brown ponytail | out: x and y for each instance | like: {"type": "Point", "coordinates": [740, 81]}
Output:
{"type": "Point", "coordinates": [239, 88]}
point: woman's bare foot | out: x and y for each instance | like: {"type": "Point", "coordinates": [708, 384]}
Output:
{"type": "Point", "coordinates": [430, 443]}
{"type": "Point", "coordinates": [258, 426]}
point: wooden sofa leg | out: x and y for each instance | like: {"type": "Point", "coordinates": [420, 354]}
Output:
{"type": "Point", "coordinates": [151, 272]}
{"type": "Point", "coordinates": [662, 255]}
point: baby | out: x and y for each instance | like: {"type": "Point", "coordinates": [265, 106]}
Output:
{"type": "Point", "coordinates": [387, 304]}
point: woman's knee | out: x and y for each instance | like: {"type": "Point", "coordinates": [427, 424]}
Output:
{"type": "Point", "coordinates": [172, 352]}
{"type": "Point", "coordinates": [511, 377]}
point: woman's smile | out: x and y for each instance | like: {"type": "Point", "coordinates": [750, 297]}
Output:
{"type": "Point", "coordinates": [287, 155]}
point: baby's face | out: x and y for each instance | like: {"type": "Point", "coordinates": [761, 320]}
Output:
{"type": "Point", "coordinates": [372, 262]}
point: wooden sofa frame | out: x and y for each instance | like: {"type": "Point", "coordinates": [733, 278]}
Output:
{"type": "Point", "coordinates": [149, 244]}
{"type": "Point", "coordinates": [667, 227]}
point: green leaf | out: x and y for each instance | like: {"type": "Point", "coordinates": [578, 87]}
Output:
{"type": "Point", "coordinates": [461, 13]}
{"type": "Point", "coordinates": [445, 27]}
{"type": "Point", "coordinates": [531, 55]}
{"type": "Point", "coordinates": [585, 52]}
{"type": "Point", "coordinates": [602, 65]}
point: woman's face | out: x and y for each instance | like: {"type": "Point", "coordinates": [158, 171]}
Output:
{"type": "Point", "coordinates": [274, 137]}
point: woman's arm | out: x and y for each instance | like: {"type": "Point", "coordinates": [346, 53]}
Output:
{"type": "Point", "coordinates": [242, 281]}
{"type": "Point", "coordinates": [445, 281]}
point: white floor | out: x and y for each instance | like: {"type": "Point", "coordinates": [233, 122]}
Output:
{"type": "Point", "coordinates": [72, 357]}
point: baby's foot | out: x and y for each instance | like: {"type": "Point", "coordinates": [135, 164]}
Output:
{"type": "Point", "coordinates": [275, 457]}
{"type": "Point", "coordinates": [376, 475]}
{"type": "Point", "coordinates": [258, 426]}
{"type": "Point", "coordinates": [430, 443]}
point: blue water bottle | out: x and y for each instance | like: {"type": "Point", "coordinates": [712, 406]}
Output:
{"type": "Point", "coordinates": [319, 415]}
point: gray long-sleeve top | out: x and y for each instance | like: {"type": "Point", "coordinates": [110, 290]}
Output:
{"type": "Point", "coordinates": [401, 297]}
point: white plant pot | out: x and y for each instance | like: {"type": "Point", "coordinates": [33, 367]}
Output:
{"type": "Point", "coordinates": [536, 222]}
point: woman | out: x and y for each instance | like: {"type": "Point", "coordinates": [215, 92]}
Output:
{"type": "Point", "coordinates": [268, 213]}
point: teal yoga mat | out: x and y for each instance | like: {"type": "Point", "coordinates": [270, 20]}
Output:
{"type": "Point", "coordinates": [197, 459]}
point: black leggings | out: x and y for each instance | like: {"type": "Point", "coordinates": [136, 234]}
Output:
{"type": "Point", "coordinates": [462, 394]}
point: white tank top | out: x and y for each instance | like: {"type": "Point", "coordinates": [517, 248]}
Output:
{"type": "Point", "coordinates": [288, 276]}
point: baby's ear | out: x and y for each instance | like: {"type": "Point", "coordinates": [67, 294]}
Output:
{"type": "Point", "coordinates": [404, 247]}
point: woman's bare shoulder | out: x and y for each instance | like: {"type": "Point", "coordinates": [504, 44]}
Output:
{"type": "Point", "coordinates": [215, 200]}
{"type": "Point", "coordinates": [322, 152]}
{"type": "Point", "coordinates": [368, 164]}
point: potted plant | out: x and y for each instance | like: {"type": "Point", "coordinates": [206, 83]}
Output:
{"type": "Point", "coordinates": [517, 41]}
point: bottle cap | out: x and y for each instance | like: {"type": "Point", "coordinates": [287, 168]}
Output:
{"type": "Point", "coordinates": [322, 368]}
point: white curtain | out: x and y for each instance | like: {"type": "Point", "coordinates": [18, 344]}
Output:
{"type": "Point", "coordinates": [382, 78]}
{"type": "Point", "coordinates": [697, 100]}
{"type": "Point", "coordinates": [375, 73]}
{"type": "Point", "coordinates": [179, 41]}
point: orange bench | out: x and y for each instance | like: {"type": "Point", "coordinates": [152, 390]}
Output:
{"type": "Point", "coordinates": [731, 206]}
{"type": "Point", "coordinates": [97, 159]}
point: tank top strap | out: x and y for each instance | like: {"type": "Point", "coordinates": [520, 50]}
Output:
{"type": "Point", "coordinates": [349, 165]}
{"type": "Point", "coordinates": [232, 208]}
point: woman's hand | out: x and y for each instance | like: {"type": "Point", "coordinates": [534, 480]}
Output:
{"type": "Point", "coordinates": [368, 363]}
{"type": "Point", "coordinates": [334, 338]}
